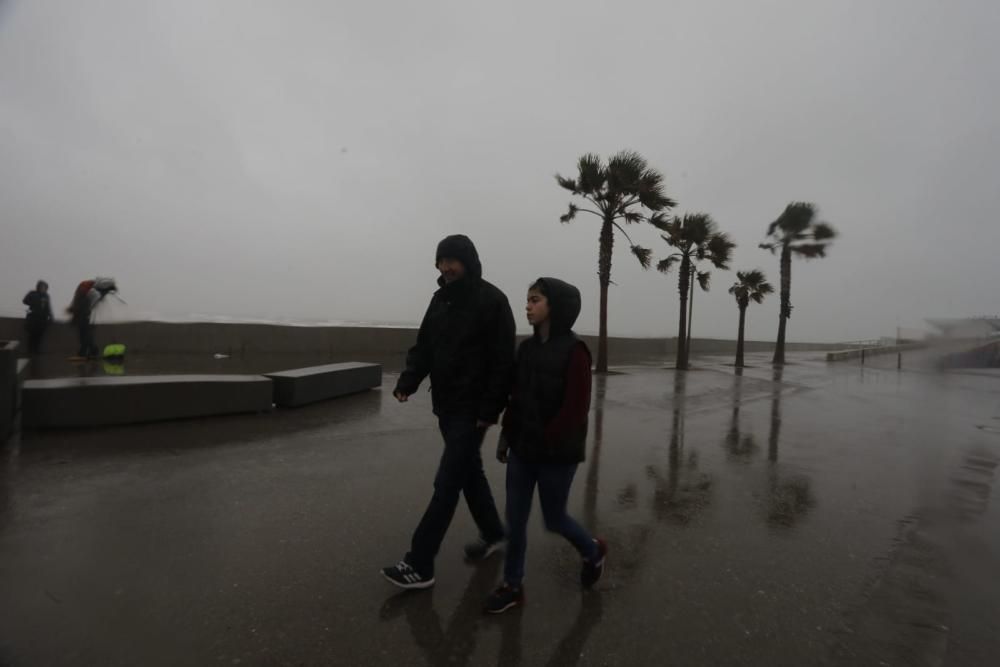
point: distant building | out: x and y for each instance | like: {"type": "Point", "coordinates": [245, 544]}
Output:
{"type": "Point", "coordinates": [967, 327]}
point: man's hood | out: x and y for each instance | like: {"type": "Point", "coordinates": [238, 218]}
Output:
{"type": "Point", "coordinates": [460, 247]}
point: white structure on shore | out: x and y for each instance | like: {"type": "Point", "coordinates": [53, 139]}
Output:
{"type": "Point", "coordinates": [987, 326]}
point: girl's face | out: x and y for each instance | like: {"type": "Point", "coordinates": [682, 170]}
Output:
{"type": "Point", "coordinates": [537, 308]}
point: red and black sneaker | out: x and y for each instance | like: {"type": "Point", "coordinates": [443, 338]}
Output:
{"type": "Point", "coordinates": [593, 569]}
{"type": "Point", "coordinates": [503, 598]}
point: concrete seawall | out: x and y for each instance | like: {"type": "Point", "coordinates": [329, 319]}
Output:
{"type": "Point", "coordinates": [847, 355]}
{"type": "Point", "coordinates": [373, 344]}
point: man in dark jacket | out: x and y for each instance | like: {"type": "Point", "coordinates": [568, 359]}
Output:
{"type": "Point", "coordinates": [39, 316]}
{"type": "Point", "coordinates": [466, 345]}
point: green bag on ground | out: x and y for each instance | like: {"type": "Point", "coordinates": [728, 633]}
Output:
{"type": "Point", "coordinates": [114, 350]}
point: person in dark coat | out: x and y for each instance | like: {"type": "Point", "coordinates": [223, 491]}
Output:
{"type": "Point", "coordinates": [466, 345]}
{"type": "Point", "coordinates": [39, 316]}
{"type": "Point", "coordinates": [81, 310]}
{"type": "Point", "coordinates": [544, 435]}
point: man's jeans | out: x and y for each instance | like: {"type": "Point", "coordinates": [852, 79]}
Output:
{"type": "Point", "coordinates": [460, 472]}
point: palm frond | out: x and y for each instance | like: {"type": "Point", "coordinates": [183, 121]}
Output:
{"type": "Point", "coordinates": [567, 183]}
{"type": "Point", "coordinates": [698, 227]}
{"type": "Point", "coordinates": [632, 217]}
{"type": "Point", "coordinates": [810, 250]}
{"type": "Point", "coordinates": [659, 220]}
{"type": "Point", "coordinates": [704, 278]}
{"type": "Point", "coordinates": [625, 170]}
{"type": "Point", "coordinates": [823, 232]}
{"type": "Point", "coordinates": [664, 265]}
{"type": "Point", "coordinates": [592, 174]}
{"type": "Point", "coordinates": [751, 285]}
{"type": "Point", "coordinates": [651, 192]}
{"type": "Point", "coordinates": [751, 278]}
{"type": "Point", "coordinates": [644, 255]}
{"type": "Point", "coordinates": [720, 249]}
{"type": "Point", "coordinates": [570, 214]}
{"type": "Point", "coordinates": [795, 219]}
{"type": "Point", "coordinates": [674, 233]}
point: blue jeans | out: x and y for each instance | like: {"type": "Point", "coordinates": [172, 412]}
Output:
{"type": "Point", "coordinates": [460, 472]}
{"type": "Point", "coordinates": [554, 481]}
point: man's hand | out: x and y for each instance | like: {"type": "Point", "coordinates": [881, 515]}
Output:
{"type": "Point", "coordinates": [503, 447]}
{"type": "Point", "coordinates": [401, 396]}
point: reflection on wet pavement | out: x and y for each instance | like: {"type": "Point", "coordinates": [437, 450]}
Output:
{"type": "Point", "coordinates": [806, 515]}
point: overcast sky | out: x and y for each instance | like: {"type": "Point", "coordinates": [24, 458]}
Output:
{"type": "Point", "coordinates": [301, 159]}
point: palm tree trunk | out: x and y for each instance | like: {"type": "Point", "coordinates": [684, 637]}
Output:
{"type": "Point", "coordinates": [607, 244]}
{"type": "Point", "coordinates": [682, 287]}
{"type": "Point", "coordinates": [687, 349]}
{"type": "Point", "coordinates": [739, 338]}
{"type": "Point", "coordinates": [786, 304]}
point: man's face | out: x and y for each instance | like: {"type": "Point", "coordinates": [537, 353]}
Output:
{"type": "Point", "coordinates": [451, 269]}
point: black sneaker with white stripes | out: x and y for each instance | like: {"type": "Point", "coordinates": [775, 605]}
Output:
{"type": "Point", "coordinates": [481, 549]}
{"type": "Point", "coordinates": [403, 575]}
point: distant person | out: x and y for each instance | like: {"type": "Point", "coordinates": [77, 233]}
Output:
{"type": "Point", "coordinates": [39, 316]}
{"type": "Point", "coordinates": [544, 436]}
{"type": "Point", "coordinates": [89, 293]}
{"type": "Point", "coordinates": [81, 310]}
{"type": "Point", "coordinates": [466, 345]}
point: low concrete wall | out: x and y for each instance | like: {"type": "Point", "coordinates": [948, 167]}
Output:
{"type": "Point", "coordinates": [847, 355]}
{"type": "Point", "coordinates": [301, 386]}
{"type": "Point", "coordinates": [370, 344]}
{"type": "Point", "coordinates": [102, 401]}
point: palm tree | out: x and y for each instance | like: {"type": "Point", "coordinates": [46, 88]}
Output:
{"type": "Point", "coordinates": [616, 192]}
{"type": "Point", "coordinates": [695, 238]}
{"type": "Point", "coordinates": [749, 286]}
{"type": "Point", "coordinates": [798, 232]}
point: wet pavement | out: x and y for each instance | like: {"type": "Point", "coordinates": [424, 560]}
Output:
{"type": "Point", "coordinates": [812, 516]}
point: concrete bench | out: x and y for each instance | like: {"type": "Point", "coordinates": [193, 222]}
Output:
{"type": "Point", "coordinates": [8, 388]}
{"type": "Point", "coordinates": [102, 401]}
{"type": "Point", "coordinates": [319, 383]}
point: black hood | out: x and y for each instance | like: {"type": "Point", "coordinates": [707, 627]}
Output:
{"type": "Point", "coordinates": [460, 247]}
{"type": "Point", "coordinates": [564, 303]}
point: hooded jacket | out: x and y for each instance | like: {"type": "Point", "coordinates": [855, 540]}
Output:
{"type": "Point", "coordinates": [465, 343]}
{"type": "Point", "coordinates": [39, 309]}
{"type": "Point", "coordinates": [550, 399]}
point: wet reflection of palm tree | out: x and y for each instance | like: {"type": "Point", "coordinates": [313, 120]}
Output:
{"type": "Point", "coordinates": [683, 491]}
{"type": "Point", "coordinates": [11, 455]}
{"type": "Point", "coordinates": [676, 432]}
{"type": "Point", "coordinates": [455, 644]}
{"type": "Point", "coordinates": [510, 639]}
{"type": "Point", "coordinates": [789, 498]}
{"type": "Point", "coordinates": [666, 488]}
{"type": "Point", "coordinates": [570, 648]}
{"type": "Point", "coordinates": [736, 445]}
{"type": "Point", "coordinates": [772, 440]}
{"type": "Point", "coordinates": [594, 466]}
